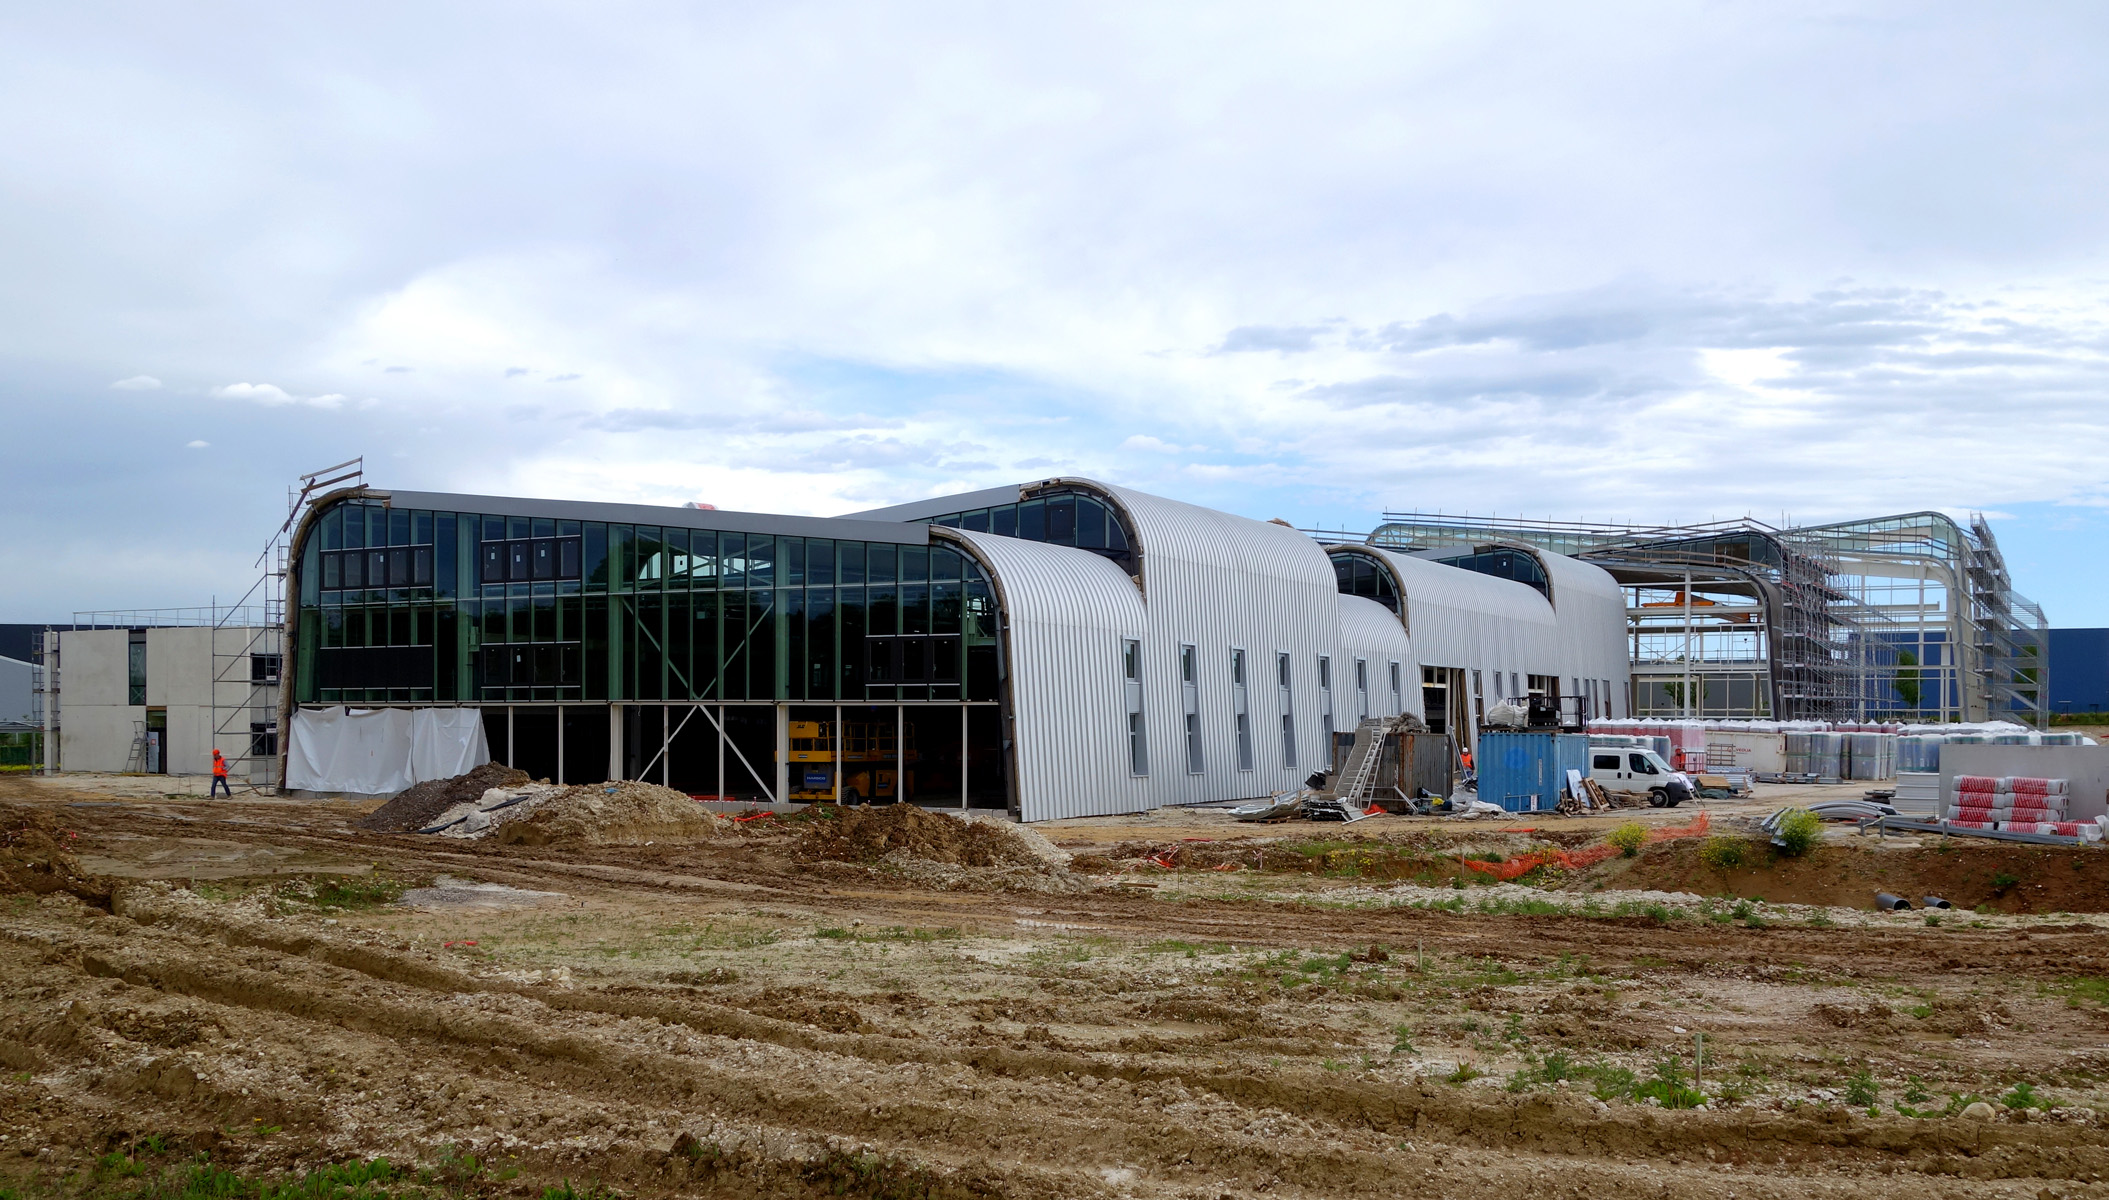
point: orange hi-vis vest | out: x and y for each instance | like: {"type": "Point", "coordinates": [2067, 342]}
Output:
{"type": "Point", "coordinates": [219, 765]}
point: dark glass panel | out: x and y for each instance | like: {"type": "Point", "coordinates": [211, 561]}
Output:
{"type": "Point", "coordinates": [792, 602]}
{"type": "Point", "coordinates": [732, 560]}
{"type": "Point", "coordinates": [446, 646]}
{"type": "Point", "coordinates": [914, 660]}
{"type": "Point", "coordinates": [446, 564]}
{"type": "Point", "coordinates": [950, 522]}
{"type": "Point", "coordinates": [1061, 520]}
{"type": "Point", "coordinates": [676, 543]}
{"type": "Point", "coordinates": [567, 528]}
{"type": "Point", "coordinates": [980, 616]}
{"type": "Point", "coordinates": [881, 563]}
{"type": "Point", "coordinates": [651, 559]}
{"type": "Point", "coordinates": [679, 683]}
{"type": "Point", "coordinates": [494, 622]}
{"type": "Point", "coordinates": [622, 552]}
{"type": "Point", "coordinates": [791, 561]}
{"type": "Point", "coordinates": [945, 607]}
{"type": "Point", "coordinates": [519, 565]}
{"type": "Point", "coordinates": [915, 608]}
{"type": "Point", "coordinates": [332, 571]}
{"type": "Point", "coordinates": [354, 563]}
{"type": "Point", "coordinates": [1032, 520]}
{"type": "Point", "coordinates": [567, 558]}
{"type": "Point", "coordinates": [544, 527]}
{"type": "Point", "coordinates": [420, 528]}
{"type": "Point", "coordinates": [376, 569]}
{"type": "Point", "coordinates": [702, 558]}
{"type": "Point", "coordinates": [493, 529]}
{"type": "Point", "coordinates": [1004, 520]}
{"type": "Point", "coordinates": [398, 526]}
{"type": "Point", "coordinates": [944, 660]}
{"type": "Point", "coordinates": [852, 557]}
{"type": "Point", "coordinates": [885, 609]}
{"type": "Point", "coordinates": [520, 604]}
{"type": "Point", "coordinates": [944, 564]}
{"type": "Point", "coordinates": [1116, 538]}
{"type": "Point", "coordinates": [570, 612]}
{"type": "Point", "coordinates": [978, 520]}
{"type": "Point", "coordinates": [733, 618]}
{"type": "Point", "coordinates": [545, 615]}
{"type": "Point", "coordinates": [915, 564]}
{"type": "Point", "coordinates": [543, 564]}
{"type": "Point", "coordinates": [820, 644]}
{"type": "Point", "coordinates": [820, 562]}
{"type": "Point", "coordinates": [1090, 524]}
{"type": "Point", "coordinates": [518, 529]}
{"type": "Point", "coordinates": [761, 560]}
{"type": "Point", "coordinates": [399, 574]}
{"type": "Point", "coordinates": [593, 551]}
{"type": "Point", "coordinates": [703, 656]}
{"type": "Point", "coordinates": [568, 668]}
{"type": "Point", "coordinates": [851, 617]}
{"type": "Point", "coordinates": [331, 528]}
{"type": "Point", "coordinates": [398, 627]}
{"type": "Point", "coordinates": [493, 562]}
{"type": "Point", "coordinates": [595, 639]}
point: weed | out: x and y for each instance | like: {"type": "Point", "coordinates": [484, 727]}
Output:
{"type": "Point", "coordinates": [1722, 853]}
{"type": "Point", "coordinates": [1933, 918]}
{"type": "Point", "coordinates": [1465, 1073]}
{"type": "Point", "coordinates": [1798, 831]}
{"type": "Point", "coordinates": [1668, 1088]}
{"type": "Point", "coordinates": [2024, 1095]}
{"type": "Point", "coordinates": [1860, 1089]}
{"type": "Point", "coordinates": [2004, 880]}
{"type": "Point", "coordinates": [1612, 1083]}
{"type": "Point", "coordinates": [1629, 838]}
{"type": "Point", "coordinates": [2091, 988]}
{"type": "Point", "coordinates": [1915, 1091]}
{"type": "Point", "coordinates": [1821, 919]}
{"type": "Point", "coordinates": [1402, 1040]}
{"type": "Point", "coordinates": [567, 1191]}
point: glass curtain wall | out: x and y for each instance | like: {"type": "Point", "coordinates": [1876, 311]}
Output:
{"type": "Point", "coordinates": [405, 606]}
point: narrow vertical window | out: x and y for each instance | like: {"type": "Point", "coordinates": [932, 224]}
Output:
{"type": "Point", "coordinates": [1241, 709]}
{"type": "Point", "coordinates": [1325, 706]}
{"type": "Point", "coordinates": [1288, 711]}
{"type": "Point", "coordinates": [1131, 687]}
{"type": "Point", "coordinates": [1398, 698]}
{"type": "Point", "coordinates": [1190, 695]}
{"type": "Point", "coordinates": [1362, 689]}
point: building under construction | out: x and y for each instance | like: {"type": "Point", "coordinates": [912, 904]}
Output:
{"type": "Point", "coordinates": [1909, 617]}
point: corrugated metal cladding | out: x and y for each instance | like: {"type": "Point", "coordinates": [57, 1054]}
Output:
{"type": "Point", "coordinates": [1463, 619]}
{"type": "Point", "coordinates": [1070, 613]}
{"type": "Point", "coordinates": [1524, 772]}
{"type": "Point", "coordinates": [1220, 584]}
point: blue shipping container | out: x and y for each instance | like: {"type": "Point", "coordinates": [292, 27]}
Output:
{"type": "Point", "coordinates": [1526, 772]}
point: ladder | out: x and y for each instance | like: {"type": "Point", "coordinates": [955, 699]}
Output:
{"type": "Point", "coordinates": [1358, 774]}
{"type": "Point", "coordinates": [138, 754]}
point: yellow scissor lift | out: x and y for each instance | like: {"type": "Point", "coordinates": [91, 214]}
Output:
{"type": "Point", "coordinates": [869, 770]}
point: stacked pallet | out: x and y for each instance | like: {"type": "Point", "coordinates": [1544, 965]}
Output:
{"type": "Point", "coordinates": [2017, 804]}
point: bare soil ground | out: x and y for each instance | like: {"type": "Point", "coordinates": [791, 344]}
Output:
{"type": "Point", "coordinates": [894, 1010]}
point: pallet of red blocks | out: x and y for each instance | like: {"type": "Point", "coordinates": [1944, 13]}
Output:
{"type": "Point", "coordinates": [2019, 804]}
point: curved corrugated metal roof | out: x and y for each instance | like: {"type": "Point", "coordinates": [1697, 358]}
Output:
{"type": "Point", "coordinates": [1068, 613]}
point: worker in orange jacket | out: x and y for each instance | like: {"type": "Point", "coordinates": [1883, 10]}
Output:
{"type": "Point", "coordinates": [219, 776]}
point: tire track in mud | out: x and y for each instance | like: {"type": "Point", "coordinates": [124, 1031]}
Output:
{"type": "Point", "coordinates": [1539, 1124]}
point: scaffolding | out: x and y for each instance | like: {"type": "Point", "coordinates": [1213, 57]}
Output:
{"type": "Point", "coordinates": [1907, 617]}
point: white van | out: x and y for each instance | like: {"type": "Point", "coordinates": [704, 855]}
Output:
{"type": "Point", "coordinates": [1634, 769]}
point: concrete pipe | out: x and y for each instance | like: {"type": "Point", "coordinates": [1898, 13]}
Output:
{"type": "Point", "coordinates": [1937, 902]}
{"type": "Point", "coordinates": [1889, 903]}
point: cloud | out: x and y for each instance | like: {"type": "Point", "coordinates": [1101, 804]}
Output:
{"type": "Point", "coordinates": [196, 444]}
{"type": "Point", "coordinates": [137, 383]}
{"type": "Point", "coordinates": [271, 395]}
{"type": "Point", "coordinates": [399, 370]}
{"type": "Point", "coordinates": [1143, 441]}
{"type": "Point", "coordinates": [1286, 340]}
{"type": "Point", "coordinates": [562, 378]}
{"type": "Point", "coordinates": [511, 372]}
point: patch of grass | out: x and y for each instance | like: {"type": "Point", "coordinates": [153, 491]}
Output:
{"type": "Point", "coordinates": [1933, 918]}
{"type": "Point", "coordinates": [1721, 852]}
{"type": "Point", "coordinates": [1668, 1088]}
{"type": "Point", "coordinates": [2025, 1095]}
{"type": "Point", "coordinates": [1629, 838]}
{"type": "Point", "coordinates": [1465, 1073]}
{"type": "Point", "coordinates": [1821, 919]}
{"type": "Point", "coordinates": [2003, 880]}
{"type": "Point", "coordinates": [1798, 832]}
{"type": "Point", "coordinates": [570, 1191]}
{"type": "Point", "coordinates": [2091, 988]}
{"type": "Point", "coordinates": [1609, 1082]}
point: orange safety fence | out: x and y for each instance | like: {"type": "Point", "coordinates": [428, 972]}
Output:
{"type": "Point", "coordinates": [1587, 856]}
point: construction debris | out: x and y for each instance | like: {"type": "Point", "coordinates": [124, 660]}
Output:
{"type": "Point", "coordinates": [422, 803]}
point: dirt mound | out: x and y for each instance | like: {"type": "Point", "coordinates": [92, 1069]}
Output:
{"type": "Point", "coordinates": [2003, 877]}
{"type": "Point", "coordinates": [415, 808]}
{"type": "Point", "coordinates": [35, 860]}
{"type": "Point", "coordinates": [867, 835]}
{"type": "Point", "coordinates": [612, 814]}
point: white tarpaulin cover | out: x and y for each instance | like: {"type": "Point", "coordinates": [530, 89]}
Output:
{"type": "Point", "coordinates": [381, 751]}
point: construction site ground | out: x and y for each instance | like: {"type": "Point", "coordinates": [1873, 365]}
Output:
{"type": "Point", "coordinates": [219, 994]}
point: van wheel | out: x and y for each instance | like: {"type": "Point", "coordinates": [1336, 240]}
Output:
{"type": "Point", "coordinates": [850, 798]}
{"type": "Point", "coordinates": [1658, 798]}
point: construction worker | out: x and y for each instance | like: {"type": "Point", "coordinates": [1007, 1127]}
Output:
{"type": "Point", "coordinates": [219, 776]}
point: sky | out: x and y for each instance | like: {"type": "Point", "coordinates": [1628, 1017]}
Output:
{"type": "Point", "coordinates": [1649, 262]}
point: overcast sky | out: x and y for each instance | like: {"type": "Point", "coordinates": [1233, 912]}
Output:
{"type": "Point", "coordinates": [1647, 262]}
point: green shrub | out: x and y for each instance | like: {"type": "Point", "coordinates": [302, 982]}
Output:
{"type": "Point", "coordinates": [1629, 838]}
{"type": "Point", "coordinates": [1722, 853]}
{"type": "Point", "coordinates": [2024, 1095]}
{"type": "Point", "coordinates": [1860, 1089]}
{"type": "Point", "coordinates": [1798, 831]}
{"type": "Point", "coordinates": [1669, 1088]}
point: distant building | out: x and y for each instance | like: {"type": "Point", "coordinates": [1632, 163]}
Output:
{"type": "Point", "coordinates": [159, 698]}
{"type": "Point", "coordinates": [2079, 671]}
